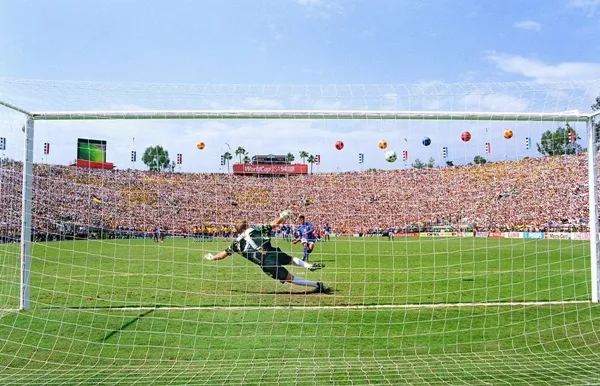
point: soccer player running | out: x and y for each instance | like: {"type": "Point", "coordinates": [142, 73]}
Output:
{"type": "Point", "coordinates": [306, 235]}
{"type": "Point", "coordinates": [254, 243]}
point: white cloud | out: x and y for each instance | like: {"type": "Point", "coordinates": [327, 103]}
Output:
{"type": "Point", "coordinates": [528, 25]}
{"type": "Point", "coordinates": [322, 9]}
{"type": "Point", "coordinates": [544, 72]}
{"type": "Point", "coordinates": [589, 6]}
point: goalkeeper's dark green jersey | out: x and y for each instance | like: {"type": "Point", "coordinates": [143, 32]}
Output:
{"type": "Point", "coordinates": [253, 241]}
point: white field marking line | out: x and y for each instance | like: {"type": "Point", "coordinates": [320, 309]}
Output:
{"type": "Point", "coordinates": [416, 270]}
{"type": "Point", "coordinates": [324, 307]}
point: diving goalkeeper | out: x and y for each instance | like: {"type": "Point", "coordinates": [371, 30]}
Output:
{"type": "Point", "coordinates": [254, 243]}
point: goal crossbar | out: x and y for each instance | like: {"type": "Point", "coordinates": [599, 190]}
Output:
{"type": "Point", "coordinates": [309, 114]}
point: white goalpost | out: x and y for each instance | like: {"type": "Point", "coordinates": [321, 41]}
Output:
{"type": "Point", "coordinates": [479, 265]}
{"type": "Point", "coordinates": [592, 137]}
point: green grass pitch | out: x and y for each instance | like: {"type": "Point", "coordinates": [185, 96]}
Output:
{"type": "Point", "coordinates": [415, 310]}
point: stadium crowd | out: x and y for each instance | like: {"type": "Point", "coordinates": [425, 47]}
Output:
{"type": "Point", "coordinates": [529, 194]}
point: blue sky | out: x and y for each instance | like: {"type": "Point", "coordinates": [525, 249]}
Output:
{"type": "Point", "coordinates": [290, 42]}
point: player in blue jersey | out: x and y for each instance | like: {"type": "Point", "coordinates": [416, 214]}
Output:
{"type": "Point", "coordinates": [390, 233]}
{"type": "Point", "coordinates": [326, 232]}
{"type": "Point", "coordinates": [157, 235]}
{"type": "Point", "coordinates": [306, 235]}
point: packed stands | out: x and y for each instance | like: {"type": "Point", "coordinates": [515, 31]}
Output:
{"type": "Point", "coordinates": [529, 194]}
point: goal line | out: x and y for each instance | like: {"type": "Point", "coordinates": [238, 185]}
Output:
{"type": "Point", "coordinates": [326, 307]}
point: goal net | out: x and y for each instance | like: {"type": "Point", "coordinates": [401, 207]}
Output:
{"type": "Point", "coordinates": [446, 235]}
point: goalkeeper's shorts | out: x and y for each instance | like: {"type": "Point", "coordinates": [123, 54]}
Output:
{"type": "Point", "coordinates": [272, 264]}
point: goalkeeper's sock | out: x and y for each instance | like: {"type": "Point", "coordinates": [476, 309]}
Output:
{"type": "Point", "coordinates": [303, 282]}
{"type": "Point", "coordinates": [300, 263]}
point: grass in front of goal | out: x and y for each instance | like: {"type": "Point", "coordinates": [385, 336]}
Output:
{"type": "Point", "coordinates": [393, 318]}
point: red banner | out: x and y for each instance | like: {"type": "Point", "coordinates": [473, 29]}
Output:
{"type": "Point", "coordinates": [406, 234]}
{"type": "Point", "coordinates": [94, 165]}
{"type": "Point", "coordinates": [270, 169]}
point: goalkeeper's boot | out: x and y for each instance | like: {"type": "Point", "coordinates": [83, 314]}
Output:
{"type": "Point", "coordinates": [322, 289]}
{"type": "Point", "coordinates": [316, 266]}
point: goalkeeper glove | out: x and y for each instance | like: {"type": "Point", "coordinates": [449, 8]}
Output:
{"type": "Point", "coordinates": [208, 256]}
{"type": "Point", "coordinates": [285, 214]}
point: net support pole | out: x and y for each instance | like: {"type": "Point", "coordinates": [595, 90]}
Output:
{"type": "Point", "coordinates": [26, 223]}
{"type": "Point", "coordinates": [593, 203]}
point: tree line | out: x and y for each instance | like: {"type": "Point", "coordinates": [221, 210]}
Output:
{"type": "Point", "coordinates": [156, 158]}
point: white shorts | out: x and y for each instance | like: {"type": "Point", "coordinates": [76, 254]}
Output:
{"type": "Point", "coordinates": [305, 241]}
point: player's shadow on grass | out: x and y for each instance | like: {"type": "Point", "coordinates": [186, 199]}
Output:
{"type": "Point", "coordinates": [125, 325]}
{"type": "Point", "coordinates": [285, 292]}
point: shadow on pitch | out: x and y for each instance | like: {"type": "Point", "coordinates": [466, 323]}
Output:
{"type": "Point", "coordinates": [285, 292]}
{"type": "Point", "coordinates": [124, 326]}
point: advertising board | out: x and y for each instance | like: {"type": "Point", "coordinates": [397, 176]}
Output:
{"type": "Point", "coordinates": [534, 235]}
{"type": "Point", "coordinates": [274, 169]}
{"type": "Point", "coordinates": [559, 236]}
{"type": "Point", "coordinates": [438, 234]}
{"type": "Point", "coordinates": [513, 235]}
{"type": "Point", "coordinates": [580, 236]}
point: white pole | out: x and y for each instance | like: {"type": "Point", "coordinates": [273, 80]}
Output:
{"type": "Point", "coordinates": [2, 155]}
{"type": "Point", "coordinates": [593, 203]}
{"type": "Point", "coordinates": [307, 114]}
{"type": "Point", "coordinates": [1, 173]}
{"type": "Point", "coordinates": [26, 223]}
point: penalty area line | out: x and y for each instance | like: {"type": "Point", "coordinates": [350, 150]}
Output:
{"type": "Point", "coordinates": [325, 307]}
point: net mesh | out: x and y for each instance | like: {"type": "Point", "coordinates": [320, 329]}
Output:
{"type": "Point", "coordinates": [38, 96]}
{"type": "Point", "coordinates": [463, 262]}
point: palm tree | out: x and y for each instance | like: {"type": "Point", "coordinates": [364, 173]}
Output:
{"type": "Point", "coordinates": [246, 159]}
{"type": "Point", "coordinates": [240, 151]}
{"type": "Point", "coordinates": [303, 155]}
{"type": "Point", "coordinates": [311, 160]}
{"type": "Point", "coordinates": [228, 158]}
{"type": "Point", "coordinates": [290, 157]}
